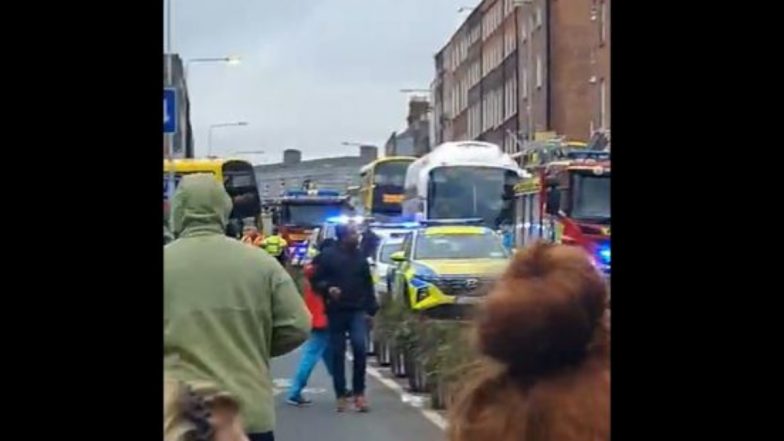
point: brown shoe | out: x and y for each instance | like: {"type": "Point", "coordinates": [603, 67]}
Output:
{"type": "Point", "coordinates": [360, 404]}
{"type": "Point", "coordinates": [342, 404]}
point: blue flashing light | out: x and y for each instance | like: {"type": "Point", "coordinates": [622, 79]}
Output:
{"type": "Point", "coordinates": [344, 219]}
{"type": "Point", "coordinates": [312, 193]}
{"type": "Point", "coordinates": [395, 224]}
{"type": "Point", "coordinates": [604, 255]}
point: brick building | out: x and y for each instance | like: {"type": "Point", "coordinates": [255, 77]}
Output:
{"type": "Point", "coordinates": [516, 69]}
{"type": "Point", "coordinates": [600, 61]}
{"type": "Point", "coordinates": [555, 68]}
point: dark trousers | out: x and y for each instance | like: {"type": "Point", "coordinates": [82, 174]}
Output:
{"type": "Point", "coordinates": [267, 436]}
{"type": "Point", "coordinates": [355, 324]}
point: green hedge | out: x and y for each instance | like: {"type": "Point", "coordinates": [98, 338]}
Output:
{"type": "Point", "coordinates": [442, 346]}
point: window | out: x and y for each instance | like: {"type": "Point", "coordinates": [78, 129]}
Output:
{"type": "Point", "coordinates": [485, 113]}
{"type": "Point", "coordinates": [525, 82]}
{"type": "Point", "coordinates": [523, 31]}
{"type": "Point", "coordinates": [510, 98]}
{"type": "Point", "coordinates": [538, 16]}
{"type": "Point", "coordinates": [474, 121]}
{"type": "Point", "coordinates": [538, 71]}
{"type": "Point", "coordinates": [510, 41]}
{"type": "Point", "coordinates": [499, 106]}
{"type": "Point", "coordinates": [603, 20]}
{"type": "Point", "coordinates": [603, 104]}
{"type": "Point", "coordinates": [507, 7]}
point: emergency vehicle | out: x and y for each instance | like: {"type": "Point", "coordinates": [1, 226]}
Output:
{"type": "Point", "coordinates": [567, 201]}
{"type": "Point", "coordinates": [298, 212]}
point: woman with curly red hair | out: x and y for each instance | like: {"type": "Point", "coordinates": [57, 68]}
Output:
{"type": "Point", "coordinates": [544, 332]}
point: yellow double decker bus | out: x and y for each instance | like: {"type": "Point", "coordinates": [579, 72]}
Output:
{"type": "Point", "coordinates": [381, 186]}
{"type": "Point", "coordinates": [236, 175]}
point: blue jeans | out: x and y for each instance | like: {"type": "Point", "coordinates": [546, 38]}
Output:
{"type": "Point", "coordinates": [317, 346]}
{"type": "Point", "coordinates": [355, 324]}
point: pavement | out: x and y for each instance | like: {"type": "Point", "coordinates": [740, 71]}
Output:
{"type": "Point", "coordinates": [395, 415]}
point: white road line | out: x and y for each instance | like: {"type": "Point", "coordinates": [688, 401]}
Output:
{"type": "Point", "coordinates": [429, 414]}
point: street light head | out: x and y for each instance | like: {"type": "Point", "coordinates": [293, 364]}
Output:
{"type": "Point", "coordinates": [233, 60]}
{"type": "Point", "coordinates": [242, 123]}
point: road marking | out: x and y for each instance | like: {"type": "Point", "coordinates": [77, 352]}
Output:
{"type": "Point", "coordinates": [429, 414]}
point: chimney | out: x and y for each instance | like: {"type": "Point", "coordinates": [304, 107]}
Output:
{"type": "Point", "coordinates": [368, 153]}
{"type": "Point", "coordinates": [417, 109]}
{"type": "Point", "coordinates": [291, 157]}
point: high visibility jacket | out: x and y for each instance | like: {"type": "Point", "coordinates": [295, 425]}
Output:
{"type": "Point", "coordinates": [274, 245]}
{"type": "Point", "coordinates": [253, 241]}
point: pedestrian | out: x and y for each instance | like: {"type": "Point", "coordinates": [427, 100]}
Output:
{"type": "Point", "coordinates": [275, 245]}
{"type": "Point", "coordinates": [317, 346]}
{"type": "Point", "coordinates": [228, 308]}
{"type": "Point", "coordinates": [343, 277]}
{"type": "Point", "coordinates": [545, 330]}
{"type": "Point", "coordinates": [369, 242]}
{"type": "Point", "coordinates": [251, 236]}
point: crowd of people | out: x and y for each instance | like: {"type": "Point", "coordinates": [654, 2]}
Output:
{"type": "Point", "coordinates": [230, 307]}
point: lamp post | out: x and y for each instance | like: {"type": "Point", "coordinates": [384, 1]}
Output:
{"type": "Point", "coordinates": [230, 60]}
{"type": "Point", "coordinates": [220, 125]}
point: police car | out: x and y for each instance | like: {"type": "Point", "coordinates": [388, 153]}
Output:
{"type": "Point", "coordinates": [443, 269]}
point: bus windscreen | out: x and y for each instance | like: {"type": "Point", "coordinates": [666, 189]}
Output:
{"type": "Point", "coordinates": [388, 180]}
{"type": "Point", "coordinates": [472, 192]}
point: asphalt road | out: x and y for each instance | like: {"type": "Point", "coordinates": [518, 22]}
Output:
{"type": "Point", "coordinates": [391, 418]}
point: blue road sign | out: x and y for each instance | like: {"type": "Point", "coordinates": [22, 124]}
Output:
{"type": "Point", "coordinates": [169, 110]}
{"type": "Point", "coordinates": [167, 184]}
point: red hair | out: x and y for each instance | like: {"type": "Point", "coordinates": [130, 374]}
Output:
{"type": "Point", "coordinates": [546, 338]}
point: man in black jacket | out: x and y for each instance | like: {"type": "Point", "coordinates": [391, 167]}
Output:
{"type": "Point", "coordinates": [343, 278]}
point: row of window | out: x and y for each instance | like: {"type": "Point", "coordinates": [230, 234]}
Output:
{"type": "Point", "coordinates": [474, 73]}
{"type": "Point", "coordinates": [474, 121]}
{"type": "Point", "coordinates": [491, 20]}
{"type": "Point", "coordinates": [492, 55]}
{"type": "Point", "coordinates": [492, 109]}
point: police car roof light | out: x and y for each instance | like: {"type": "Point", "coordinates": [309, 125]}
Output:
{"type": "Point", "coordinates": [394, 224]}
{"type": "Point", "coordinates": [597, 155]}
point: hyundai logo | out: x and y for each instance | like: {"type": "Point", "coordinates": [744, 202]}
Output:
{"type": "Point", "coordinates": [472, 283]}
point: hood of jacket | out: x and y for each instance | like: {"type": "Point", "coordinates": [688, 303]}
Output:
{"type": "Point", "coordinates": [200, 206]}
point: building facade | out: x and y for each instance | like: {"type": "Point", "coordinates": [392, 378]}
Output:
{"type": "Point", "coordinates": [520, 70]}
{"type": "Point", "coordinates": [600, 80]}
{"type": "Point", "coordinates": [555, 69]}
{"type": "Point", "coordinates": [336, 173]}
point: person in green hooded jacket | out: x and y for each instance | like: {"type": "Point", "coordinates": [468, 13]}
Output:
{"type": "Point", "coordinates": [228, 308]}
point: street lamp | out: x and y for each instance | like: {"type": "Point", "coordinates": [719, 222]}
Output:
{"type": "Point", "coordinates": [219, 125]}
{"type": "Point", "coordinates": [427, 91]}
{"type": "Point", "coordinates": [230, 60]}
{"type": "Point", "coordinates": [357, 144]}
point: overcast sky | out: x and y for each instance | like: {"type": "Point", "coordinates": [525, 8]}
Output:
{"type": "Point", "coordinates": [314, 73]}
